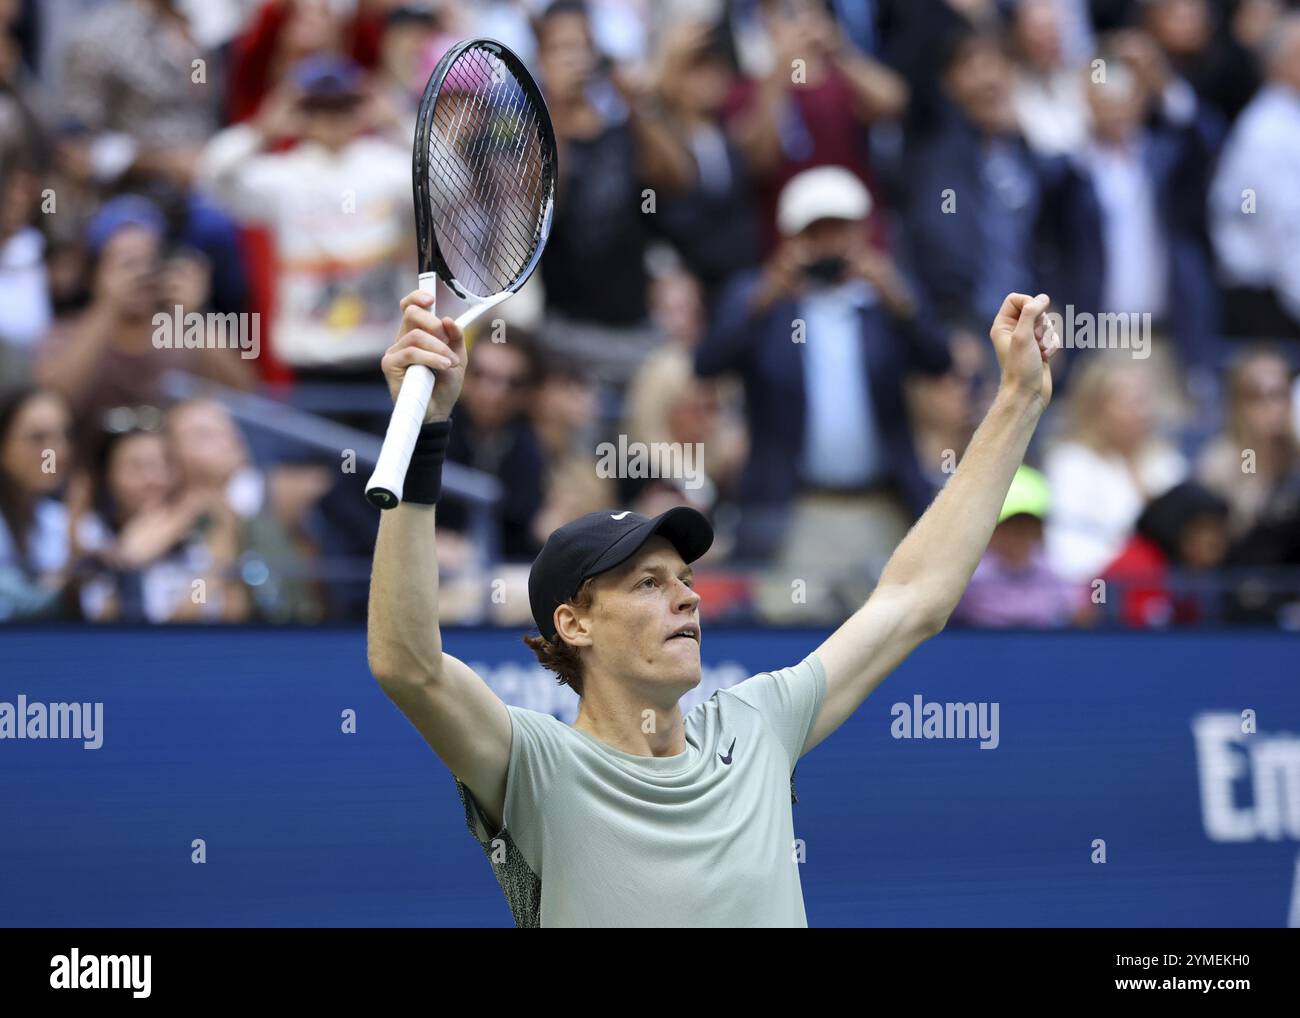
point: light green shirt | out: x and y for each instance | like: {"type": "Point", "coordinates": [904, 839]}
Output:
{"type": "Point", "coordinates": [594, 836]}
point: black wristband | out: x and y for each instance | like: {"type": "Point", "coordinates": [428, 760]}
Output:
{"type": "Point", "coordinates": [423, 482]}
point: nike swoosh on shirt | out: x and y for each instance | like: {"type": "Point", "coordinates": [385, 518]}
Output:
{"type": "Point", "coordinates": [727, 759]}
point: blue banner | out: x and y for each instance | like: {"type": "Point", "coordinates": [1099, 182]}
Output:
{"type": "Point", "coordinates": [207, 777]}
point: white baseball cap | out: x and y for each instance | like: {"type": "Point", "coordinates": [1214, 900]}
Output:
{"type": "Point", "coordinates": [824, 192]}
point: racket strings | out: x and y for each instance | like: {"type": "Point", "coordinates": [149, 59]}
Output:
{"type": "Point", "coordinates": [508, 209]}
{"type": "Point", "coordinates": [487, 174]}
{"type": "Point", "coordinates": [487, 210]}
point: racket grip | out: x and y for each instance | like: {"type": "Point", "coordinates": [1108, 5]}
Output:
{"type": "Point", "coordinates": [384, 489]}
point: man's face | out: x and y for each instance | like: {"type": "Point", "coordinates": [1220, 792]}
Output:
{"type": "Point", "coordinates": [1117, 105]}
{"type": "Point", "coordinates": [205, 443]}
{"type": "Point", "coordinates": [496, 385]}
{"type": "Point", "coordinates": [635, 619]}
{"type": "Point", "coordinates": [979, 82]}
{"type": "Point", "coordinates": [130, 272]}
{"type": "Point", "coordinates": [830, 238]}
{"type": "Point", "coordinates": [805, 26]}
{"type": "Point", "coordinates": [565, 55]}
{"type": "Point", "coordinates": [332, 126]}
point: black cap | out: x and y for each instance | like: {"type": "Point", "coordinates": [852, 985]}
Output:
{"type": "Point", "coordinates": [598, 542]}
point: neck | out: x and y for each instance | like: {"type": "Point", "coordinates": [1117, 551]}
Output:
{"type": "Point", "coordinates": [619, 717]}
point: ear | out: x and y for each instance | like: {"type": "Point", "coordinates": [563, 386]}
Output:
{"type": "Point", "coordinates": [572, 626]}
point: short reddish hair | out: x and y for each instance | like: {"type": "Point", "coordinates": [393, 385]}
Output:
{"type": "Point", "coordinates": [557, 656]}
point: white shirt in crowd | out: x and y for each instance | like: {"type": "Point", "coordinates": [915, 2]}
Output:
{"type": "Point", "coordinates": [1255, 197]}
{"type": "Point", "coordinates": [25, 310]}
{"type": "Point", "coordinates": [1137, 259]}
{"type": "Point", "coordinates": [1052, 110]}
{"type": "Point", "coordinates": [342, 225]}
{"type": "Point", "coordinates": [1096, 500]}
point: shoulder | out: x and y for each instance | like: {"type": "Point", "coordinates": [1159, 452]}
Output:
{"type": "Point", "coordinates": [537, 721]}
{"type": "Point", "coordinates": [737, 291]}
{"type": "Point", "coordinates": [755, 690]}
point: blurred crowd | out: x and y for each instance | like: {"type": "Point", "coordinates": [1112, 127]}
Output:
{"type": "Point", "coordinates": [781, 232]}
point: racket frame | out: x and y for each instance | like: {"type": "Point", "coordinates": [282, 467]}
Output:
{"type": "Point", "coordinates": [384, 489]}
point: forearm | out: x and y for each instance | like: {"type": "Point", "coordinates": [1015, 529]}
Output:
{"type": "Point", "coordinates": [403, 639]}
{"type": "Point", "coordinates": [881, 92]}
{"type": "Point", "coordinates": [73, 370]}
{"type": "Point", "coordinates": [757, 131]}
{"type": "Point", "coordinates": [228, 368]}
{"type": "Point", "coordinates": [936, 559]}
{"type": "Point", "coordinates": [228, 164]}
{"type": "Point", "coordinates": [661, 159]}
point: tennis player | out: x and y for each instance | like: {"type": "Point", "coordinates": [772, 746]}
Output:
{"type": "Point", "coordinates": [638, 814]}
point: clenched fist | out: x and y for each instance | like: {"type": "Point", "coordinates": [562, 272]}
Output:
{"type": "Point", "coordinates": [1024, 341]}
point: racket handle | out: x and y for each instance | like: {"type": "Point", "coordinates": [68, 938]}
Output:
{"type": "Point", "coordinates": [384, 489]}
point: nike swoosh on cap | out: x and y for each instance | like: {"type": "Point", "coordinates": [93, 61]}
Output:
{"type": "Point", "coordinates": [619, 516]}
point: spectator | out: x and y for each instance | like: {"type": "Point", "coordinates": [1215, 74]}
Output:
{"type": "Point", "coordinates": [35, 461]}
{"type": "Point", "coordinates": [713, 223]}
{"type": "Point", "coordinates": [143, 545]}
{"type": "Point", "coordinates": [1134, 242]}
{"type": "Point", "coordinates": [138, 80]}
{"type": "Point", "coordinates": [106, 356]}
{"type": "Point", "coordinates": [71, 180]}
{"type": "Point", "coordinates": [813, 108]}
{"type": "Point", "coordinates": [1257, 452]}
{"type": "Point", "coordinates": [609, 151]}
{"type": "Point", "coordinates": [490, 431]}
{"type": "Point", "coordinates": [1181, 537]}
{"type": "Point", "coordinates": [261, 549]}
{"type": "Point", "coordinates": [914, 31]}
{"type": "Point", "coordinates": [564, 413]}
{"type": "Point", "coordinates": [1111, 465]}
{"type": "Point", "coordinates": [831, 464]}
{"type": "Point", "coordinates": [668, 406]}
{"type": "Point", "coordinates": [1213, 49]}
{"type": "Point", "coordinates": [1014, 585]}
{"type": "Point", "coordinates": [945, 408]}
{"type": "Point", "coordinates": [409, 41]}
{"type": "Point", "coordinates": [974, 188]}
{"type": "Point", "coordinates": [25, 307]}
{"type": "Point", "coordinates": [1051, 107]}
{"type": "Point", "coordinates": [1255, 200]}
{"type": "Point", "coordinates": [339, 207]}
{"type": "Point", "coordinates": [283, 33]}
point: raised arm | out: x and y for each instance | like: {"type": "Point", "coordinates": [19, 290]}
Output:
{"type": "Point", "coordinates": [925, 577]}
{"type": "Point", "coordinates": [452, 707]}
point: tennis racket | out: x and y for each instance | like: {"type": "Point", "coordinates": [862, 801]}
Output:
{"type": "Point", "coordinates": [484, 186]}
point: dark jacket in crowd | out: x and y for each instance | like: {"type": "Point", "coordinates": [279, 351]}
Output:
{"type": "Point", "coordinates": [759, 349]}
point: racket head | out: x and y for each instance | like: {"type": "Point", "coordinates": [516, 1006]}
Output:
{"type": "Point", "coordinates": [483, 171]}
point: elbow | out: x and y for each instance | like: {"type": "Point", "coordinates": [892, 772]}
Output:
{"type": "Point", "coordinates": [933, 624]}
{"type": "Point", "coordinates": [929, 615]}
{"type": "Point", "coordinates": [397, 671]}
{"type": "Point", "coordinates": [927, 621]}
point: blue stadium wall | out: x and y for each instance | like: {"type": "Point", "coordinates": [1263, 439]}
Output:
{"type": "Point", "coordinates": [1177, 755]}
